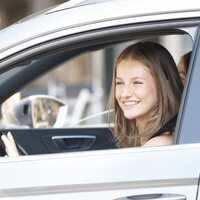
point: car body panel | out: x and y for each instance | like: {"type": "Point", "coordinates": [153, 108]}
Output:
{"type": "Point", "coordinates": [104, 174]}
{"type": "Point", "coordinates": [52, 29]}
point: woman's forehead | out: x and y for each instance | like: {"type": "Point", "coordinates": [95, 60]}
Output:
{"type": "Point", "coordinates": [132, 67]}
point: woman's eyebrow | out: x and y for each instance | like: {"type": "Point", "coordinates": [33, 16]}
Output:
{"type": "Point", "coordinates": [118, 78]}
{"type": "Point", "coordinates": [137, 77]}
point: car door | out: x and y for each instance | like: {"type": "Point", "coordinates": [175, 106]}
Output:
{"type": "Point", "coordinates": [169, 172]}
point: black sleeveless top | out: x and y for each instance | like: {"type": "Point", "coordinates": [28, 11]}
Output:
{"type": "Point", "coordinates": [168, 127]}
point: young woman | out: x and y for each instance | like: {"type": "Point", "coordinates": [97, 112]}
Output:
{"type": "Point", "coordinates": [146, 92]}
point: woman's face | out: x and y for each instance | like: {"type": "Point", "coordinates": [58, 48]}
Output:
{"type": "Point", "coordinates": [135, 89]}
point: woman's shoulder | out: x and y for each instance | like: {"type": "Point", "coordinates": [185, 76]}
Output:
{"type": "Point", "coordinates": [161, 140]}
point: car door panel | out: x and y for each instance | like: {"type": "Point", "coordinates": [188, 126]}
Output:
{"type": "Point", "coordinates": [52, 140]}
{"type": "Point", "coordinates": [169, 171]}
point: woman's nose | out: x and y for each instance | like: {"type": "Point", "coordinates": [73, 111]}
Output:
{"type": "Point", "coordinates": [126, 91]}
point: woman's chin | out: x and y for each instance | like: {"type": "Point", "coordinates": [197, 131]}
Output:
{"type": "Point", "coordinates": [129, 116]}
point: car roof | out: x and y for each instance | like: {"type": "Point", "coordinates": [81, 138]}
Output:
{"type": "Point", "coordinates": [73, 15]}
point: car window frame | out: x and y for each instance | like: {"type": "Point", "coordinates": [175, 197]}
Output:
{"type": "Point", "coordinates": [108, 38]}
{"type": "Point", "coordinates": [187, 122]}
{"type": "Point", "coordinates": [112, 33]}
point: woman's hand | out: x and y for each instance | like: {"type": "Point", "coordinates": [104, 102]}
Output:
{"type": "Point", "coordinates": [10, 146]}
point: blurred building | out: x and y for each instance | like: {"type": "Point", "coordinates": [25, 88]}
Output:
{"type": "Point", "coordinates": [13, 10]}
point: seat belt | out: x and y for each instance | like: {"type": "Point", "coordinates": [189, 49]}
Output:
{"type": "Point", "coordinates": [168, 127]}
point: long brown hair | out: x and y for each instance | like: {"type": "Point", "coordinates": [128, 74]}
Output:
{"type": "Point", "coordinates": [168, 86]}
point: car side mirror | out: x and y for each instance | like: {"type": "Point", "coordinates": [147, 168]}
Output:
{"type": "Point", "coordinates": [36, 111]}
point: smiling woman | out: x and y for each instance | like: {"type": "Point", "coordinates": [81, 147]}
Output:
{"type": "Point", "coordinates": [146, 95]}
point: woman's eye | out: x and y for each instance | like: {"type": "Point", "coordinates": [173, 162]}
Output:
{"type": "Point", "coordinates": [118, 83]}
{"type": "Point", "coordinates": [137, 82]}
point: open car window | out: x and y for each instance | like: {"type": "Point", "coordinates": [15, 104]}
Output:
{"type": "Point", "coordinates": [74, 91]}
{"type": "Point", "coordinates": [55, 96]}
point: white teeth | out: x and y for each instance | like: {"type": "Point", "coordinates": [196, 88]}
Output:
{"type": "Point", "coordinates": [131, 103]}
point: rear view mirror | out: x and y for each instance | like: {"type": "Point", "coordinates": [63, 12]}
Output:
{"type": "Point", "coordinates": [36, 111]}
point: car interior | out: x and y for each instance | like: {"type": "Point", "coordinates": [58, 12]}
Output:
{"type": "Point", "coordinates": [78, 74]}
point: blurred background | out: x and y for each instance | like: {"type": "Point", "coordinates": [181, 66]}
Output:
{"type": "Point", "coordinates": [73, 85]}
{"type": "Point", "coordinates": [13, 10]}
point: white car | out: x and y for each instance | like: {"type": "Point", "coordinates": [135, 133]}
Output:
{"type": "Point", "coordinates": [63, 56]}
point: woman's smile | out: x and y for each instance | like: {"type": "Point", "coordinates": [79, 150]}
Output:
{"type": "Point", "coordinates": [130, 104]}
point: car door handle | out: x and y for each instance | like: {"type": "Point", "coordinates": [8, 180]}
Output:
{"type": "Point", "coordinates": [154, 197]}
{"type": "Point", "coordinates": [74, 142]}
{"type": "Point", "coordinates": [69, 143]}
